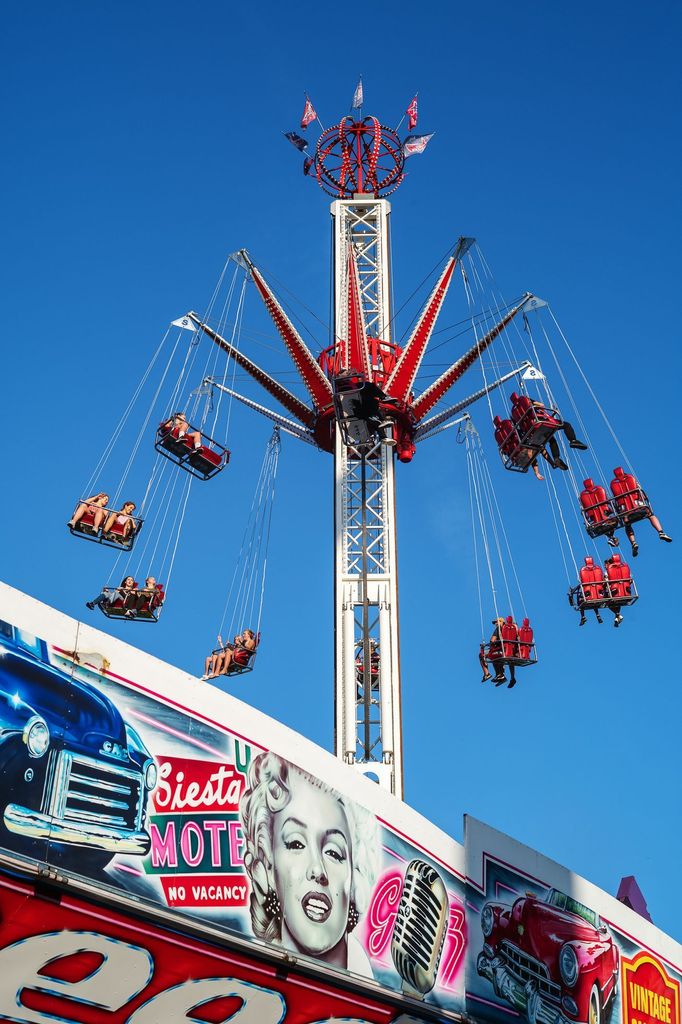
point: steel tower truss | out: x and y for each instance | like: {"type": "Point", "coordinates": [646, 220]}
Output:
{"type": "Point", "coordinates": [367, 664]}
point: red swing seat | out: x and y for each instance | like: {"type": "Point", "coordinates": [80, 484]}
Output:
{"type": "Point", "coordinates": [630, 502]}
{"type": "Point", "coordinates": [242, 659]}
{"type": "Point", "coordinates": [619, 585]}
{"type": "Point", "coordinates": [117, 536]}
{"type": "Point", "coordinates": [203, 462]}
{"type": "Point", "coordinates": [590, 591]}
{"type": "Point", "coordinates": [597, 510]}
{"type": "Point", "coordinates": [534, 424]}
{"type": "Point", "coordinates": [514, 456]}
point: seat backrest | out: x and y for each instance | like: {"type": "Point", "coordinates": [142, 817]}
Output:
{"type": "Point", "coordinates": [525, 639]}
{"type": "Point", "coordinates": [595, 502]}
{"type": "Point", "coordinates": [520, 407]}
{"type": "Point", "coordinates": [623, 485]}
{"type": "Point", "coordinates": [510, 637]}
{"type": "Point", "coordinates": [506, 437]}
{"type": "Point", "coordinates": [618, 575]}
{"type": "Point", "coordinates": [591, 577]}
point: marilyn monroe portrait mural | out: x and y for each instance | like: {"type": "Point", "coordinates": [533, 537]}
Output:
{"type": "Point", "coordinates": [312, 858]}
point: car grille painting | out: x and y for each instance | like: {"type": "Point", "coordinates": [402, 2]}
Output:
{"type": "Point", "coordinates": [83, 789]}
{"type": "Point", "coordinates": [527, 968]}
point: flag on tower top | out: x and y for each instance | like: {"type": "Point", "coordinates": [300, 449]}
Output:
{"type": "Point", "coordinates": [296, 140]}
{"type": "Point", "coordinates": [309, 113]}
{"type": "Point", "coordinates": [416, 144]}
{"type": "Point", "coordinates": [412, 114]}
{"type": "Point", "coordinates": [358, 96]}
{"type": "Point", "coordinates": [307, 164]}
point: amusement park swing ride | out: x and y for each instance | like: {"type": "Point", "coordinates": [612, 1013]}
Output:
{"type": "Point", "coordinates": [364, 407]}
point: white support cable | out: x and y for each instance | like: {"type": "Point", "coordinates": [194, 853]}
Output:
{"type": "Point", "coordinates": [558, 533]}
{"type": "Point", "coordinates": [252, 558]}
{"type": "Point", "coordinates": [484, 536]}
{"type": "Point", "coordinates": [178, 509]}
{"type": "Point", "coordinates": [591, 391]}
{"type": "Point", "coordinates": [496, 307]}
{"type": "Point", "coordinates": [122, 421]}
{"type": "Point", "coordinates": [267, 541]}
{"type": "Point", "coordinates": [469, 296]}
{"type": "Point", "coordinates": [213, 354]}
{"type": "Point", "coordinates": [563, 521]}
{"type": "Point", "coordinates": [496, 538]}
{"type": "Point", "coordinates": [473, 532]}
{"type": "Point", "coordinates": [492, 491]}
{"type": "Point", "coordinates": [572, 401]}
{"type": "Point", "coordinates": [177, 536]}
{"type": "Point", "coordinates": [162, 511]}
{"type": "Point", "coordinates": [235, 342]}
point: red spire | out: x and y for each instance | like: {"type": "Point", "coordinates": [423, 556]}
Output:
{"type": "Point", "coordinates": [399, 384]}
{"type": "Point", "coordinates": [356, 354]}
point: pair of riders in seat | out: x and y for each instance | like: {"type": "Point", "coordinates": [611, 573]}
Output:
{"type": "Point", "coordinates": [129, 598]}
{"type": "Point", "coordinates": [93, 513]}
{"type": "Point", "coordinates": [230, 658]}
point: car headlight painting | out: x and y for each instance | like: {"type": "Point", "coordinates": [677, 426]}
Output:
{"type": "Point", "coordinates": [150, 775]}
{"type": "Point", "coordinates": [36, 736]}
{"type": "Point", "coordinates": [487, 920]}
{"type": "Point", "coordinates": [568, 965]}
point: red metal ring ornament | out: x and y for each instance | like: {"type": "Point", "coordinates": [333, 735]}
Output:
{"type": "Point", "coordinates": [359, 156]}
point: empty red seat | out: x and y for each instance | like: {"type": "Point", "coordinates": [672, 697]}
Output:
{"type": "Point", "coordinates": [595, 503]}
{"type": "Point", "coordinates": [506, 436]}
{"type": "Point", "coordinates": [510, 638]}
{"type": "Point", "coordinates": [619, 580]}
{"type": "Point", "coordinates": [591, 582]}
{"type": "Point", "coordinates": [628, 496]}
{"type": "Point", "coordinates": [203, 455]}
{"type": "Point", "coordinates": [525, 640]}
{"type": "Point", "coordinates": [522, 412]}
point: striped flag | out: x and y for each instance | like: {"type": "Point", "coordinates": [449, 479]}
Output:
{"type": "Point", "coordinates": [358, 96]}
{"type": "Point", "coordinates": [309, 113]}
{"type": "Point", "coordinates": [414, 144]}
{"type": "Point", "coordinates": [412, 114]}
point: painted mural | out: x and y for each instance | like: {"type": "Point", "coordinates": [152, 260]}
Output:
{"type": "Point", "coordinates": [104, 779]}
{"type": "Point", "coordinates": [548, 947]}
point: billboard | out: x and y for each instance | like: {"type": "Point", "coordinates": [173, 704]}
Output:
{"type": "Point", "coordinates": [548, 947]}
{"type": "Point", "coordinates": [147, 783]}
{"type": "Point", "coordinates": [71, 962]}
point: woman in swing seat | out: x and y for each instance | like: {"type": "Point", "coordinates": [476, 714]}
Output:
{"type": "Point", "coordinates": [95, 505]}
{"type": "Point", "coordinates": [124, 520]}
{"type": "Point", "coordinates": [121, 594]}
{"type": "Point", "coordinates": [178, 427]}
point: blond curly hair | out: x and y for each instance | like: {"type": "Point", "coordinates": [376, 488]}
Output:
{"type": "Point", "coordinates": [267, 792]}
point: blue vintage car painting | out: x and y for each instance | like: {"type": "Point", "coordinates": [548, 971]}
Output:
{"type": "Point", "coordinates": [74, 776]}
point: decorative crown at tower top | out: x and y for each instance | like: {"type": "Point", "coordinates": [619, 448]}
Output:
{"type": "Point", "coordinates": [359, 155]}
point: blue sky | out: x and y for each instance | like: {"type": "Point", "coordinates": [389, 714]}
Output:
{"type": "Point", "coordinates": [143, 143]}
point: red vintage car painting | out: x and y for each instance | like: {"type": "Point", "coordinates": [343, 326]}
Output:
{"type": "Point", "coordinates": [553, 959]}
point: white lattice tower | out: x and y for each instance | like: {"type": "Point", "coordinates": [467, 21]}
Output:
{"type": "Point", "coordinates": [368, 731]}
